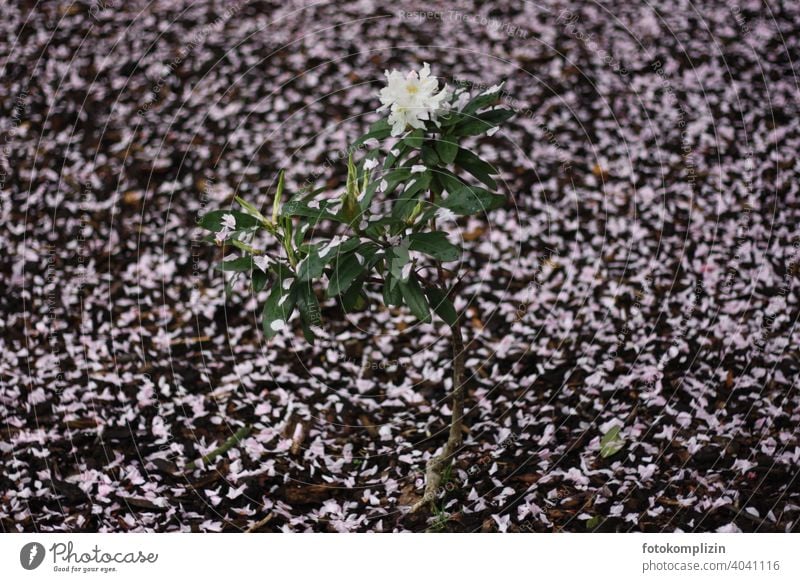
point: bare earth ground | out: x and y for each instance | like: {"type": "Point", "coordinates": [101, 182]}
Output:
{"type": "Point", "coordinates": [643, 274]}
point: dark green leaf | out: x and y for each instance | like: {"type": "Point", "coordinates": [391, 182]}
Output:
{"type": "Point", "coordinates": [414, 139]}
{"type": "Point", "coordinates": [353, 299]}
{"type": "Point", "coordinates": [471, 200]}
{"type": "Point", "coordinates": [259, 280]}
{"type": "Point", "coordinates": [369, 250]}
{"type": "Point", "coordinates": [308, 333]}
{"type": "Point", "coordinates": [398, 258]}
{"type": "Point", "coordinates": [308, 305]}
{"type": "Point", "coordinates": [392, 158]}
{"type": "Point", "coordinates": [213, 220]}
{"type": "Point", "coordinates": [481, 101]}
{"type": "Point", "coordinates": [300, 233]}
{"type": "Point", "coordinates": [408, 199]}
{"type": "Point", "coordinates": [312, 266]}
{"type": "Point", "coordinates": [240, 265]}
{"type": "Point", "coordinates": [392, 296]}
{"type": "Point", "coordinates": [451, 118]}
{"type": "Point", "coordinates": [393, 179]}
{"type": "Point", "coordinates": [344, 272]}
{"type": "Point", "coordinates": [441, 305]}
{"type": "Point", "coordinates": [415, 299]}
{"type": "Point", "coordinates": [429, 156]}
{"type": "Point", "coordinates": [378, 130]}
{"type": "Point", "coordinates": [477, 167]}
{"type": "Point", "coordinates": [376, 228]}
{"type": "Point", "coordinates": [434, 244]}
{"type": "Point", "coordinates": [298, 208]}
{"type": "Point", "coordinates": [282, 271]}
{"type": "Point", "coordinates": [484, 122]}
{"type": "Point", "coordinates": [447, 148]}
{"type": "Point", "coordinates": [307, 194]}
{"type": "Point", "coordinates": [343, 248]}
{"type": "Point", "coordinates": [449, 181]}
{"type": "Point", "coordinates": [277, 308]}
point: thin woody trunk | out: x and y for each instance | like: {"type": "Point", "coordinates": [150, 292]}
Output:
{"type": "Point", "coordinates": [436, 466]}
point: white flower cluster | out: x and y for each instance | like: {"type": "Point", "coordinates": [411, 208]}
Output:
{"type": "Point", "coordinates": [411, 99]}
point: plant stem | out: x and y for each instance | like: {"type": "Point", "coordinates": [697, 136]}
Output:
{"type": "Point", "coordinates": [436, 465]}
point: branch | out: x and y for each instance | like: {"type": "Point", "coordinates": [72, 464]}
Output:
{"type": "Point", "coordinates": [222, 449]}
{"type": "Point", "coordinates": [436, 465]}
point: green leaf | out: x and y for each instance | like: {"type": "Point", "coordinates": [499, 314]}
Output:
{"type": "Point", "coordinates": [353, 299]}
{"type": "Point", "coordinates": [415, 299]}
{"type": "Point", "coordinates": [398, 258]}
{"type": "Point", "coordinates": [213, 220]}
{"type": "Point", "coordinates": [451, 118]}
{"type": "Point", "coordinates": [300, 234]}
{"type": "Point", "coordinates": [470, 200]}
{"type": "Point", "coordinates": [312, 266]}
{"type": "Point", "coordinates": [250, 209]}
{"type": "Point", "coordinates": [276, 204]}
{"type": "Point", "coordinates": [344, 272]}
{"type": "Point", "coordinates": [278, 307]}
{"type": "Point", "coordinates": [434, 244]}
{"type": "Point", "coordinates": [406, 202]}
{"type": "Point", "coordinates": [259, 280]}
{"type": "Point", "coordinates": [429, 156]}
{"type": "Point", "coordinates": [282, 270]}
{"type": "Point", "coordinates": [342, 248]}
{"type": "Point", "coordinates": [484, 122]}
{"type": "Point", "coordinates": [239, 265]}
{"type": "Point", "coordinates": [350, 208]}
{"type": "Point", "coordinates": [307, 193]}
{"type": "Point", "coordinates": [378, 130]}
{"type": "Point", "coordinates": [414, 139]}
{"type": "Point", "coordinates": [308, 305]}
{"type": "Point", "coordinates": [441, 305]}
{"type": "Point", "coordinates": [449, 181]}
{"type": "Point", "coordinates": [447, 148]}
{"type": "Point", "coordinates": [308, 333]}
{"type": "Point", "coordinates": [479, 102]}
{"type": "Point", "coordinates": [477, 167]}
{"type": "Point", "coordinates": [310, 313]}
{"type": "Point", "coordinates": [611, 443]}
{"type": "Point", "coordinates": [391, 158]}
{"type": "Point", "coordinates": [319, 255]}
{"type": "Point", "coordinates": [369, 250]}
{"type": "Point", "coordinates": [392, 178]}
{"type": "Point", "coordinates": [392, 296]}
{"type": "Point", "coordinates": [315, 215]}
{"type": "Point", "coordinates": [243, 246]}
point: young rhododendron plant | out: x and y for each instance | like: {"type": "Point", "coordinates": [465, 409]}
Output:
{"type": "Point", "coordinates": [381, 233]}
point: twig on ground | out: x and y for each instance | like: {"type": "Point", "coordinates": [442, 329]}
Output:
{"type": "Point", "coordinates": [222, 449]}
{"type": "Point", "coordinates": [258, 525]}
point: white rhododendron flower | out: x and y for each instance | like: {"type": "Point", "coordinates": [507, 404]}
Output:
{"type": "Point", "coordinates": [411, 99]}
